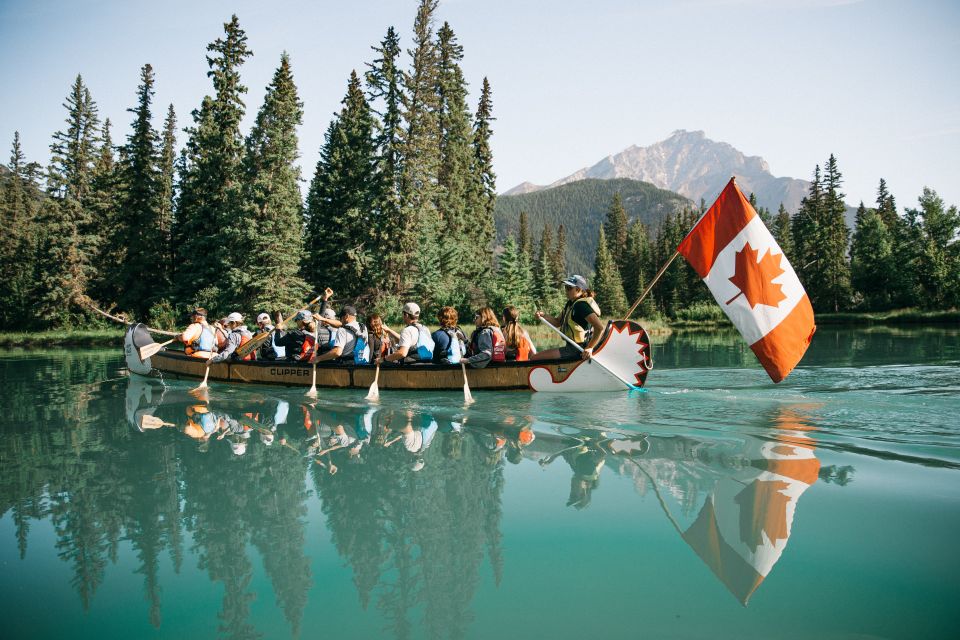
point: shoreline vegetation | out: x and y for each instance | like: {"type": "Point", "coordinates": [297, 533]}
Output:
{"type": "Point", "coordinates": [109, 336]}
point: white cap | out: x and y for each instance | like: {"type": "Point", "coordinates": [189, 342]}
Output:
{"type": "Point", "coordinates": [235, 317]}
{"type": "Point", "coordinates": [411, 308]}
{"type": "Point", "coordinates": [329, 313]}
{"type": "Point", "coordinates": [263, 317]}
{"type": "Point", "coordinates": [239, 448]}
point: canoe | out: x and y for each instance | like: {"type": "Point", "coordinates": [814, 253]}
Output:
{"type": "Point", "coordinates": [620, 362]}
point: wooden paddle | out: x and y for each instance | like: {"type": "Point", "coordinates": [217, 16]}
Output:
{"type": "Point", "coordinates": [467, 396]}
{"type": "Point", "coordinates": [152, 349]}
{"type": "Point", "coordinates": [203, 385]}
{"type": "Point", "coordinates": [254, 343]}
{"type": "Point", "coordinates": [374, 394]}
{"type": "Point", "coordinates": [312, 392]}
{"type": "Point", "coordinates": [153, 422]}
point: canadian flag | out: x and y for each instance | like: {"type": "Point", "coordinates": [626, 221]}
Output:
{"type": "Point", "coordinates": [752, 281]}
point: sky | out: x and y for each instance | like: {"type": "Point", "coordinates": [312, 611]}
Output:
{"type": "Point", "coordinates": [870, 81]}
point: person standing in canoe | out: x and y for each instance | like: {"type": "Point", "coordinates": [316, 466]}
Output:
{"type": "Point", "coordinates": [198, 337]}
{"type": "Point", "coordinates": [238, 335]}
{"type": "Point", "coordinates": [579, 321]}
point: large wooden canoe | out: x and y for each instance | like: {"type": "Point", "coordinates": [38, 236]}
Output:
{"type": "Point", "coordinates": [621, 361]}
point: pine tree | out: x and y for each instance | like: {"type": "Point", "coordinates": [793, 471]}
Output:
{"type": "Point", "coordinates": [615, 228]}
{"type": "Point", "coordinates": [871, 260]}
{"type": "Point", "coordinates": [385, 85]}
{"type": "Point", "coordinates": [454, 180]}
{"type": "Point", "coordinates": [209, 235]}
{"type": "Point", "coordinates": [19, 195]}
{"type": "Point", "coordinates": [106, 189]}
{"type": "Point", "coordinates": [65, 226]}
{"type": "Point", "coordinates": [266, 276]}
{"type": "Point", "coordinates": [340, 243]}
{"type": "Point", "coordinates": [833, 272]}
{"type": "Point", "coordinates": [546, 292]}
{"type": "Point", "coordinates": [936, 251]}
{"type": "Point", "coordinates": [524, 241]}
{"type": "Point", "coordinates": [762, 212]}
{"type": "Point", "coordinates": [805, 229]}
{"type": "Point", "coordinates": [513, 278]}
{"type": "Point", "coordinates": [168, 158]}
{"type": "Point", "coordinates": [607, 282]}
{"type": "Point", "coordinates": [485, 180]}
{"type": "Point", "coordinates": [420, 149]}
{"type": "Point", "coordinates": [887, 206]}
{"type": "Point", "coordinates": [143, 277]}
{"type": "Point", "coordinates": [781, 232]}
{"type": "Point", "coordinates": [639, 268]}
{"type": "Point", "coordinates": [559, 255]}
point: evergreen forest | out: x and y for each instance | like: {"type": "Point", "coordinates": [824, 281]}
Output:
{"type": "Point", "coordinates": [401, 205]}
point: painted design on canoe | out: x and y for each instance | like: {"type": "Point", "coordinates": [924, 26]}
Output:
{"type": "Point", "coordinates": [624, 351]}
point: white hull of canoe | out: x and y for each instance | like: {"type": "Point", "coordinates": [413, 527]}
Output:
{"type": "Point", "coordinates": [622, 355]}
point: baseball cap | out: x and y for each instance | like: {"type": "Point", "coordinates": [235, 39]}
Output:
{"type": "Point", "coordinates": [263, 317]}
{"type": "Point", "coordinates": [235, 317]}
{"type": "Point", "coordinates": [576, 281]}
{"type": "Point", "coordinates": [304, 315]}
{"type": "Point", "coordinates": [348, 310]}
{"type": "Point", "coordinates": [411, 308]}
{"type": "Point", "coordinates": [329, 313]}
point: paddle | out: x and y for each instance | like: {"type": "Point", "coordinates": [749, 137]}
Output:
{"type": "Point", "coordinates": [203, 385]}
{"type": "Point", "coordinates": [580, 349]}
{"type": "Point", "coordinates": [151, 349]}
{"type": "Point", "coordinates": [467, 396]}
{"type": "Point", "coordinates": [153, 422]}
{"type": "Point", "coordinates": [254, 343]}
{"type": "Point", "coordinates": [312, 392]}
{"type": "Point", "coordinates": [374, 394]}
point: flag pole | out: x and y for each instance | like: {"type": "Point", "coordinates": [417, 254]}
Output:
{"type": "Point", "coordinates": [650, 286]}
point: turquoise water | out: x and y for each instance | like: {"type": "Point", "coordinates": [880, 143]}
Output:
{"type": "Point", "coordinates": [712, 505]}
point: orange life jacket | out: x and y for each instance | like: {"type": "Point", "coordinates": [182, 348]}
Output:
{"type": "Point", "coordinates": [244, 339]}
{"type": "Point", "coordinates": [308, 347]}
{"type": "Point", "coordinates": [523, 347]}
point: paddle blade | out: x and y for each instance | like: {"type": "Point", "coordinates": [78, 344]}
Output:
{"type": "Point", "coordinates": [374, 394]}
{"type": "Point", "coordinates": [151, 349]}
{"type": "Point", "coordinates": [203, 385]}
{"type": "Point", "coordinates": [153, 422]}
{"type": "Point", "coordinates": [312, 392]}
{"type": "Point", "coordinates": [252, 344]}
{"type": "Point", "coordinates": [467, 396]}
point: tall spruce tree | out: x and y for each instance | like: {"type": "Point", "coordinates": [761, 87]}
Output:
{"type": "Point", "coordinates": [805, 229]}
{"type": "Point", "coordinates": [606, 280]}
{"type": "Point", "coordinates": [872, 263]}
{"type": "Point", "coordinates": [514, 278]}
{"type": "Point", "coordinates": [559, 255]}
{"type": "Point", "coordinates": [615, 228]}
{"type": "Point", "coordinates": [104, 200]}
{"type": "Point", "coordinates": [420, 149]}
{"type": "Point", "coordinates": [454, 180]}
{"type": "Point", "coordinates": [833, 268]}
{"type": "Point", "coordinates": [340, 246]}
{"type": "Point", "coordinates": [168, 159]}
{"type": "Point", "coordinates": [143, 278]}
{"type": "Point", "coordinates": [385, 89]}
{"type": "Point", "coordinates": [266, 276]}
{"type": "Point", "coordinates": [209, 237]}
{"type": "Point", "coordinates": [485, 180]}
{"type": "Point", "coordinates": [935, 249]}
{"type": "Point", "coordinates": [638, 268]}
{"type": "Point", "coordinates": [887, 206]}
{"type": "Point", "coordinates": [524, 239]}
{"type": "Point", "coordinates": [781, 232]}
{"type": "Point", "coordinates": [545, 292]}
{"type": "Point", "coordinates": [19, 201]}
{"type": "Point", "coordinates": [65, 226]}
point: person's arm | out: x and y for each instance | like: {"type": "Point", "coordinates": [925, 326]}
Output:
{"type": "Point", "coordinates": [393, 334]}
{"type": "Point", "coordinates": [598, 328]}
{"type": "Point", "coordinates": [190, 334]}
{"type": "Point", "coordinates": [233, 341]}
{"type": "Point", "coordinates": [335, 352]}
{"type": "Point", "coordinates": [399, 354]}
{"type": "Point", "coordinates": [554, 320]}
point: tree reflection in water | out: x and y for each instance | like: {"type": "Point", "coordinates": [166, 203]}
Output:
{"type": "Point", "coordinates": [413, 520]}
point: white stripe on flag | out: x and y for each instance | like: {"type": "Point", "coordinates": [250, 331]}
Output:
{"type": "Point", "coordinates": [754, 323]}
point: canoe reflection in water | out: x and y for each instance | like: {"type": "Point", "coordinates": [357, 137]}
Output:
{"type": "Point", "coordinates": [394, 482]}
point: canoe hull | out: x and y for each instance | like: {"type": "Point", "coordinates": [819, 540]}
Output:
{"type": "Point", "coordinates": [545, 375]}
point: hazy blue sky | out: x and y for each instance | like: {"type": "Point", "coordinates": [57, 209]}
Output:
{"type": "Point", "coordinates": [874, 82]}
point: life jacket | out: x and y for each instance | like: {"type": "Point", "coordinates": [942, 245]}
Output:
{"type": "Point", "coordinates": [523, 347]}
{"type": "Point", "coordinates": [457, 347]}
{"type": "Point", "coordinates": [307, 348]}
{"type": "Point", "coordinates": [425, 344]}
{"type": "Point", "coordinates": [203, 342]}
{"type": "Point", "coordinates": [570, 328]}
{"type": "Point", "coordinates": [245, 337]}
{"type": "Point", "coordinates": [498, 352]}
{"type": "Point", "coordinates": [361, 347]}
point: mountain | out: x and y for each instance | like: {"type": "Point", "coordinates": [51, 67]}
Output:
{"type": "Point", "coordinates": [694, 166]}
{"type": "Point", "coordinates": [581, 207]}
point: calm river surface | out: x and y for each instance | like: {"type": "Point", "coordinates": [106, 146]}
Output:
{"type": "Point", "coordinates": [713, 505]}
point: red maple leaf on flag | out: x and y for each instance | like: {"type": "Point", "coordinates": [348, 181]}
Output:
{"type": "Point", "coordinates": [763, 509]}
{"type": "Point", "coordinates": [755, 277]}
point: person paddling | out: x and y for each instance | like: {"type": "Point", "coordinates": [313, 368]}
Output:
{"type": "Point", "coordinates": [268, 350]}
{"type": "Point", "coordinates": [415, 344]}
{"type": "Point", "coordinates": [238, 335]}
{"type": "Point", "coordinates": [579, 321]}
{"type": "Point", "coordinates": [300, 342]}
{"type": "Point", "coordinates": [198, 336]}
{"type": "Point", "coordinates": [345, 337]}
